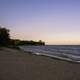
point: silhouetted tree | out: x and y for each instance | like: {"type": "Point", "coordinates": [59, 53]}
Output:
{"type": "Point", "coordinates": [4, 37]}
{"type": "Point", "coordinates": [41, 42]}
{"type": "Point", "coordinates": [5, 40]}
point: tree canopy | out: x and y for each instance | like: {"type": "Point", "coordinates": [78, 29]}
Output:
{"type": "Point", "coordinates": [6, 41]}
{"type": "Point", "coordinates": [4, 37]}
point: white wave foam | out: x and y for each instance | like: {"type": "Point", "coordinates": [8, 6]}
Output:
{"type": "Point", "coordinates": [63, 56]}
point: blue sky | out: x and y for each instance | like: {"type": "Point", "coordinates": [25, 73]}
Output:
{"type": "Point", "coordinates": [53, 21]}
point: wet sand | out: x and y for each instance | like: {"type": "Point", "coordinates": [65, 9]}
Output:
{"type": "Point", "coordinates": [19, 65]}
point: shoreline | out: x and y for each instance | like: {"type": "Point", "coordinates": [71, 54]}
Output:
{"type": "Point", "coordinates": [68, 58]}
{"type": "Point", "coordinates": [20, 65]}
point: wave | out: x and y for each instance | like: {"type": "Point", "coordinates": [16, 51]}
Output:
{"type": "Point", "coordinates": [55, 53]}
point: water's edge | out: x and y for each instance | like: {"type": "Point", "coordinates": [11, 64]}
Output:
{"type": "Point", "coordinates": [66, 58]}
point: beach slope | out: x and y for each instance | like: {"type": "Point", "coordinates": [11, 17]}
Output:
{"type": "Point", "coordinates": [19, 65]}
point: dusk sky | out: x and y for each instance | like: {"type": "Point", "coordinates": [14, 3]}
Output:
{"type": "Point", "coordinates": [53, 21]}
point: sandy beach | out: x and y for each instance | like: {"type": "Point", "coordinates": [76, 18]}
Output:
{"type": "Point", "coordinates": [19, 65]}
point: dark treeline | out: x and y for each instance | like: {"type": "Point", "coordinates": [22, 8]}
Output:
{"type": "Point", "coordinates": [25, 42]}
{"type": "Point", "coordinates": [6, 41]}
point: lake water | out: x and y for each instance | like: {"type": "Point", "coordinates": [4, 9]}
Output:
{"type": "Point", "coordinates": [66, 52]}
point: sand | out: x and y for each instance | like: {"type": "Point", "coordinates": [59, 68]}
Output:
{"type": "Point", "coordinates": [19, 65]}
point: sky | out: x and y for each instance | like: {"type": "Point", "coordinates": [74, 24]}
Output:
{"type": "Point", "coordinates": [53, 21]}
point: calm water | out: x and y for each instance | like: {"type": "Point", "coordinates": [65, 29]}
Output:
{"type": "Point", "coordinates": [67, 52]}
